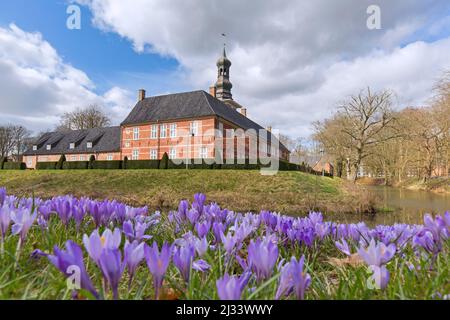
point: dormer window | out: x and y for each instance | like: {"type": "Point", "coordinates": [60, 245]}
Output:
{"type": "Point", "coordinates": [72, 146]}
{"type": "Point", "coordinates": [35, 148]}
{"type": "Point", "coordinates": [89, 145]}
{"type": "Point", "coordinates": [49, 147]}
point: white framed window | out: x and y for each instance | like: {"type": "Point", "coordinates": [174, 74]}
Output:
{"type": "Point", "coordinates": [29, 162]}
{"type": "Point", "coordinates": [154, 133]}
{"type": "Point", "coordinates": [34, 148]}
{"type": "Point", "coordinates": [135, 155]}
{"type": "Point", "coordinates": [163, 131]}
{"type": "Point", "coordinates": [194, 128]}
{"type": "Point", "coordinates": [109, 157]}
{"type": "Point", "coordinates": [73, 158]}
{"type": "Point", "coordinates": [89, 145]}
{"type": "Point", "coordinates": [173, 130]}
{"type": "Point", "coordinates": [82, 158]}
{"type": "Point", "coordinates": [49, 147]}
{"type": "Point", "coordinates": [154, 154]}
{"type": "Point", "coordinates": [173, 153]}
{"type": "Point", "coordinates": [72, 146]}
{"type": "Point", "coordinates": [135, 133]}
{"type": "Point", "coordinates": [203, 152]}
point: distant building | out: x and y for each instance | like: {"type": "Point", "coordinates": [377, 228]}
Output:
{"type": "Point", "coordinates": [324, 166]}
{"type": "Point", "coordinates": [184, 125]}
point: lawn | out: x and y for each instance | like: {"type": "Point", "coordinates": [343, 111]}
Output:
{"type": "Point", "coordinates": [293, 193]}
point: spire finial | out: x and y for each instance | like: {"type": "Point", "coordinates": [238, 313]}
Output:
{"type": "Point", "coordinates": [224, 44]}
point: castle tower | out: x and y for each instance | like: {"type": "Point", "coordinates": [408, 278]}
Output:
{"type": "Point", "coordinates": [223, 84]}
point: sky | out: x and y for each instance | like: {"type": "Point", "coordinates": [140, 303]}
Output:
{"type": "Point", "coordinates": [293, 61]}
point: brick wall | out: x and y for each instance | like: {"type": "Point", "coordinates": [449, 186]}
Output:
{"type": "Point", "coordinates": [138, 140]}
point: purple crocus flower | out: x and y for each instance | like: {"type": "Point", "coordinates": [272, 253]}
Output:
{"type": "Point", "coordinates": [183, 258]}
{"type": "Point", "coordinates": [63, 209]}
{"type": "Point", "coordinates": [2, 196]}
{"type": "Point", "coordinates": [343, 247]}
{"type": "Point", "coordinates": [202, 228]}
{"type": "Point", "coordinates": [72, 256]}
{"type": "Point", "coordinates": [5, 220]}
{"type": "Point", "coordinates": [262, 257]}
{"type": "Point", "coordinates": [136, 231]}
{"type": "Point", "coordinates": [380, 276]}
{"type": "Point", "coordinates": [23, 220]}
{"type": "Point", "coordinates": [377, 254]}
{"type": "Point", "coordinates": [293, 279]}
{"type": "Point", "coordinates": [199, 201]}
{"type": "Point", "coordinates": [158, 263]}
{"type": "Point", "coordinates": [231, 287]}
{"type": "Point", "coordinates": [201, 265]}
{"type": "Point", "coordinates": [95, 244]}
{"type": "Point", "coordinates": [112, 267]}
{"type": "Point", "coordinates": [201, 246]}
{"type": "Point", "coordinates": [218, 229]}
{"type": "Point", "coordinates": [183, 208]}
{"type": "Point", "coordinates": [229, 242]}
{"type": "Point", "coordinates": [133, 255]}
{"type": "Point", "coordinates": [193, 216]}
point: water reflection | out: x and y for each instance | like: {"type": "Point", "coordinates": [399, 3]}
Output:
{"type": "Point", "coordinates": [408, 206]}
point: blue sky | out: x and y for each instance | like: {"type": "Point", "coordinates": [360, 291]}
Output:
{"type": "Point", "coordinates": [293, 61]}
{"type": "Point", "coordinates": [107, 58]}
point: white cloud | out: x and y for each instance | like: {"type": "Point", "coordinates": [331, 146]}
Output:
{"type": "Point", "coordinates": [292, 60]}
{"type": "Point", "coordinates": [36, 85]}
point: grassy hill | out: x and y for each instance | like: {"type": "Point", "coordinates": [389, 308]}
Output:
{"type": "Point", "coordinates": [288, 192]}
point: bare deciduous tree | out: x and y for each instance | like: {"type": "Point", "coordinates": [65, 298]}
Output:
{"type": "Point", "coordinates": [365, 116]}
{"type": "Point", "coordinates": [87, 118]}
{"type": "Point", "coordinates": [13, 140]}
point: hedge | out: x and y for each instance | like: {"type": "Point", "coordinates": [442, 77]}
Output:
{"type": "Point", "coordinates": [193, 164]}
{"type": "Point", "coordinates": [75, 165]}
{"type": "Point", "coordinates": [110, 165]}
{"type": "Point", "coordinates": [46, 165]}
{"type": "Point", "coordinates": [14, 166]}
{"type": "Point", "coordinates": [142, 164]}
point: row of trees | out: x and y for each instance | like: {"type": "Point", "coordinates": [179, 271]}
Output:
{"type": "Point", "coordinates": [367, 133]}
{"type": "Point", "coordinates": [16, 139]}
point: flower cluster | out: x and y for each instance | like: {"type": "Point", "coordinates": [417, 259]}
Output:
{"type": "Point", "coordinates": [247, 250]}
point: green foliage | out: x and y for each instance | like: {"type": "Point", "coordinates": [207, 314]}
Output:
{"type": "Point", "coordinates": [142, 164]}
{"type": "Point", "coordinates": [164, 164]}
{"type": "Point", "coordinates": [14, 166]}
{"type": "Point", "coordinates": [91, 162]}
{"type": "Point", "coordinates": [60, 163]}
{"type": "Point", "coordinates": [46, 165]}
{"type": "Point", "coordinates": [117, 164]}
{"type": "Point", "coordinates": [75, 165]}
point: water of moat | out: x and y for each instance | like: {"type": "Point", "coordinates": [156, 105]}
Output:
{"type": "Point", "coordinates": [405, 206]}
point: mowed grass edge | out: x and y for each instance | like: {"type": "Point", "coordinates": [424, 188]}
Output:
{"type": "Point", "coordinates": [293, 193]}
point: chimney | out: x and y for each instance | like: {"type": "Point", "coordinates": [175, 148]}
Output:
{"type": "Point", "coordinates": [269, 129]}
{"type": "Point", "coordinates": [244, 112]}
{"type": "Point", "coordinates": [141, 94]}
{"type": "Point", "coordinates": [212, 91]}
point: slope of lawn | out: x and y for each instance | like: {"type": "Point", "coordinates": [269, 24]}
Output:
{"type": "Point", "coordinates": [287, 192]}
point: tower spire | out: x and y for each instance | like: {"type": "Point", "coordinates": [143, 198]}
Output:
{"type": "Point", "coordinates": [223, 84]}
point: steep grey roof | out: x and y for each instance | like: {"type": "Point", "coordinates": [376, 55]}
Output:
{"type": "Point", "coordinates": [186, 105]}
{"type": "Point", "coordinates": [103, 139]}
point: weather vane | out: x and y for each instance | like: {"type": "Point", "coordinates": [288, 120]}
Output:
{"type": "Point", "coordinates": [224, 39]}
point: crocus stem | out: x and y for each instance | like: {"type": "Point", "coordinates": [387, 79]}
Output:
{"type": "Point", "coordinates": [18, 249]}
{"type": "Point", "coordinates": [2, 246]}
